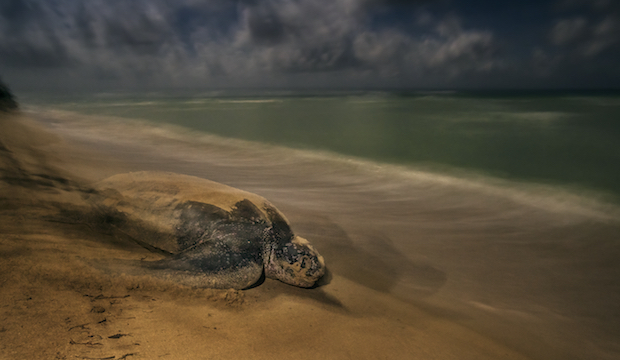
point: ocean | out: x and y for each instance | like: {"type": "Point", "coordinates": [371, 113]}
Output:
{"type": "Point", "coordinates": [496, 211]}
{"type": "Point", "coordinates": [568, 139]}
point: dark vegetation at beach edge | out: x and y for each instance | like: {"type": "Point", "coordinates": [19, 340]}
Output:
{"type": "Point", "coordinates": [7, 100]}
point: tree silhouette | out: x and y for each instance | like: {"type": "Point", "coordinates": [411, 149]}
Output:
{"type": "Point", "coordinates": [7, 100]}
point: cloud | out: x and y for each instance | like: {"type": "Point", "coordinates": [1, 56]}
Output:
{"type": "Point", "coordinates": [238, 43]}
{"type": "Point", "coordinates": [595, 31]}
{"type": "Point", "coordinates": [581, 47]}
{"type": "Point", "coordinates": [293, 36]}
{"type": "Point", "coordinates": [26, 41]}
{"type": "Point", "coordinates": [460, 50]}
{"type": "Point", "coordinates": [567, 30]}
{"type": "Point", "coordinates": [586, 38]}
{"type": "Point", "coordinates": [605, 35]}
{"type": "Point", "coordinates": [320, 35]}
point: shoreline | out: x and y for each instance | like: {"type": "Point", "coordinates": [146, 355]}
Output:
{"type": "Point", "coordinates": [52, 300]}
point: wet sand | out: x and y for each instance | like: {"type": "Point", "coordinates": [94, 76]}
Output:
{"type": "Point", "coordinates": [421, 266]}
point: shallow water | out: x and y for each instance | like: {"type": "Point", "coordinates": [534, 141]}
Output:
{"type": "Point", "coordinates": [560, 138]}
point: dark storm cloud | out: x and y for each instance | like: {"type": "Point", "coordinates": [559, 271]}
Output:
{"type": "Point", "coordinates": [588, 28]}
{"type": "Point", "coordinates": [266, 27]}
{"type": "Point", "coordinates": [26, 41]}
{"type": "Point", "coordinates": [306, 36]}
{"type": "Point", "coordinates": [130, 28]}
{"type": "Point", "coordinates": [583, 42]}
{"type": "Point", "coordinates": [283, 42]}
{"type": "Point", "coordinates": [194, 40]}
{"type": "Point", "coordinates": [301, 35]}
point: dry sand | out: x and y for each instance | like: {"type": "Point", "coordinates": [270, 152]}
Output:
{"type": "Point", "coordinates": [54, 305]}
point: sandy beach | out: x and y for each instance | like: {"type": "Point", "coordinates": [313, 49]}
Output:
{"type": "Point", "coordinates": [448, 271]}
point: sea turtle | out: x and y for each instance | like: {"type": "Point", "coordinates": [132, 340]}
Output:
{"type": "Point", "coordinates": [216, 236]}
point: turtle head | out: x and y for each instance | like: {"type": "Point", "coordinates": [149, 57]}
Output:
{"type": "Point", "coordinates": [295, 262]}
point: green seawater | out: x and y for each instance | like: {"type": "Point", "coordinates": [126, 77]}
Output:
{"type": "Point", "coordinates": [561, 138]}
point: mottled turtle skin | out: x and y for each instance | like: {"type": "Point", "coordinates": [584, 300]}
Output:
{"type": "Point", "coordinates": [216, 236]}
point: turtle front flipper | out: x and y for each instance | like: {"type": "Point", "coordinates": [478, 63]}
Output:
{"type": "Point", "coordinates": [239, 276]}
{"type": "Point", "coordinates": [223, 262]}
{"type": "Point", "coordinates": [211, 265]}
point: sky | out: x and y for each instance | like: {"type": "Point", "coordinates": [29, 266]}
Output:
{"type": "Point", "coordinates": [99, 45]}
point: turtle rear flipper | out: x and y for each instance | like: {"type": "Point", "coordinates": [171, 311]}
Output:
{"type": "Point", "coordinates": [239, 276]}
